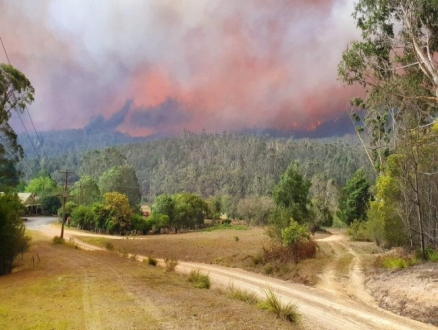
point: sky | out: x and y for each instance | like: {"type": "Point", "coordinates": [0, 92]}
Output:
{"type": "Point", "coordinates": [160, 66]}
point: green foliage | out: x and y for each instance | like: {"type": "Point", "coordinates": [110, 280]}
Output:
{"type": "Point", "coordinates": [16, 92]}
{"type": "Point", "coordinates": [199, 280]}
{"type": "Point", "coordinates": [119, 212]}
{"type": "Point", "coordinates": [84, 217]}
{"type": "Point", "coordinates": [225, 226]}
{"type": "Point", "coordinates": [355, 198]}
{"type": "Point", "coordinates": [13, 239]}
{"type": "Point", "coordinates": [58, 240]}
{"type": "Point", "coordinates": [43, 185]}
{"type": "Point", "coordinates": [242, 295]}
{"type": "Point", "coordinates": [292, 194]}
{"type": "Point", "coordinates": [140, 223]}
{"type": "Point", "coordinates": [273, 304]}
{"type": "Point", "coordinates": [358, 231]}
{"type": "Point", "coordinates": [97, 162]}
{"type": "Point", "coordinates": [122, 179]}
{"type": "Point", "coordinates": [69, 208]}
{"type": "Point", "coordinates": [294, 233]}
{"type": "Point", "coordinates": [86, 191]}
{"type": "Point", "coordinates": [190, 211]}
{"type": "Point", "coordinates": [109, 246]}
{"type": "Point", "coordinates": [51, 204]}
{"type": "Point", "coordinates": [157, 221]}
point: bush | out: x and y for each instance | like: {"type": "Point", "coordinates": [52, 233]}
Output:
{"type": "Point", "coordinates": [13, 238]}
{"type": "Point", "coordinates": [431, 254]}
{"type": "Point", "coordinates": [170, 264]}
{"type": "Point", "coordinates": [358, 231]}
{"type": "Point", "coordinates": [152, 261]}
{"type": "Point", "coordinates": [109, 246]}
{"type": "Point", "coordinates": [296, 252]}
{"type": "Point", "coordinates": [58, 240]}
{"type": "Point", "coordinates": [294, 233]}
{"type": "Point", "coordinates": [274, 305]}
{"type": "Point", "coordinates": [84, 217]}
{"type": "Point", "coordinates": [397, 259]}
{"type": "Point", "coordinates": [199, 280]}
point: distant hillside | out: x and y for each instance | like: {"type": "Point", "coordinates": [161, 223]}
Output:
{"type": "Point", "coordinates": [99, 134]}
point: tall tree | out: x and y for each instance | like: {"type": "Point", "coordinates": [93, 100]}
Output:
{"type": "Point", "coordinates": [122, 179]}
{"type": "Point", "coordinates": [43, 185]}
{"type": "Point", "coordinates": [396, 61]}
{"type": "Point", "coordinates": [292, 194]}
{"type": "Point", "coordinates": [354, 199]}
{"type": "Point", "coordinates": [86, 191]}
{"type": "Point", "coordinates": [118, 210]}
{"type": "Point", "coordinates": [15, 92]}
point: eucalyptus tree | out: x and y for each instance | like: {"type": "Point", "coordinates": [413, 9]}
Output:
{"type": "Point", "coordinates": [396, 62]}
{"type": "Point", "coordinates": [16, 92]}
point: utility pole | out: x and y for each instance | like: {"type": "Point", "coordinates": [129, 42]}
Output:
{"type": "Point", "coordinates": [64, 196]}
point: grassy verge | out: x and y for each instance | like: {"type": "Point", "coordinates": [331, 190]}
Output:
{"type": "Point", "coordinates": [76, 289]}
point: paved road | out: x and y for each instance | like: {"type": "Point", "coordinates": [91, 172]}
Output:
{"type": "Point", "coordinates": [37, 223]}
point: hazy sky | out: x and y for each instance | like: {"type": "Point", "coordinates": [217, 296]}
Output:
{"type": "Point", "coordinates": [148, 66]}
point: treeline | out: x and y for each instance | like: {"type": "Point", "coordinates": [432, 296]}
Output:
{"type": "Point", "coordinates": [227, 164]}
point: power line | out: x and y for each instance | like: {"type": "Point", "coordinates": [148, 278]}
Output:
{"type": "Point", "coordinates": [39, 140]}
{"type": "Point", "coordinates": [26, 109]}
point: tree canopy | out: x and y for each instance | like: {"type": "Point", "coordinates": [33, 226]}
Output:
{"type": "Point", "coordinates": [15, 92]}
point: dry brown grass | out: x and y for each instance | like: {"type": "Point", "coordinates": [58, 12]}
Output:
{"type": "Point", "coordinates": [75, 289]}
{"type": "Point", "coordinates": [220, 247]}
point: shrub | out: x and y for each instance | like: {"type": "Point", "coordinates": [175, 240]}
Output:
{"type": "Point", "coordinates": [274, 305]}
{"type": "Point", "coordinates": [109, 246]}
{"type": "Point", "coordinates": [431, 254]}
{"type": "Point", "coordinates": [226, 222]}
{"type": "Point", "coordinates": [152, 261]}
{"type": "Point", "coordinates": [242, 295]}
{"type": "Point", "coordinates": [296, 252]}
{"type": "Point", "coordinates": [394, 263]}
{"type": "Point", "coordinates": [294, 233]}
{"type": "Point", "coordinates": [358, 231]}
{"type": "Point", "coordinates": [236, 238]}
{"type": "Point", "coordinates": [170, 264]}
{"type": "Point", "coordinates": [58, 240]}
{"type": "Point", "coordinates": [199, 280]}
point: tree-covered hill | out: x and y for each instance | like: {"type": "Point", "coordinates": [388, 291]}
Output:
{"type": "Point", "coordinates": [210, 164]}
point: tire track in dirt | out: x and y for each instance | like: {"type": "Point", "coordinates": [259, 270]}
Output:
{"type": "Point", "coordinates": [321, 310]}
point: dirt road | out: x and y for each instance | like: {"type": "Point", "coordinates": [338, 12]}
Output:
{"type": "Point", "coordinates": [323, 307]}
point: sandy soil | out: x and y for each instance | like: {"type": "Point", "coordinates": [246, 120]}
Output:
{"type": "Point", "coordinates": [332, 305]}
{"type": "Point", "coordinates": [412, 292]}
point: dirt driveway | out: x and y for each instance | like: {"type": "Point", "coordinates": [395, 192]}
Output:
{"type": "Point", "coordinates": [323, 308]}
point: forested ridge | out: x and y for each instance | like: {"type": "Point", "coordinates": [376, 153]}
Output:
{"type": "Point", "coordinates": [212, 164]}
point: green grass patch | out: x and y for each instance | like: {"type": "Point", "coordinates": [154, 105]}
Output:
{"type": "Point", "coordinates": [288, 312]}
{"type": "Point", "coordinates": [242, 295]}
{"type": "Point", "coordinates": [225, 226]}
{"type": "Point", "coordinates": [199, 280]}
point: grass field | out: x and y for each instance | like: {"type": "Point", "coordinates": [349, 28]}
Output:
{"type": "Point", "coordinates": [226, 247]}
{"type": "Point", "coordinates": [75, 289]}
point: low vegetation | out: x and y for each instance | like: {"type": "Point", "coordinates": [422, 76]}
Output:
{"type": "Point", "coordinates": [273, 304]}
{"type": "Point", "coordinates": [199, 280]}
{"type": "Point", "coordinates": [242, 295]}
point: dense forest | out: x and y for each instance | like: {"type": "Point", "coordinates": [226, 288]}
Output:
{"type": "Point", "coordinates": [213, 164]}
